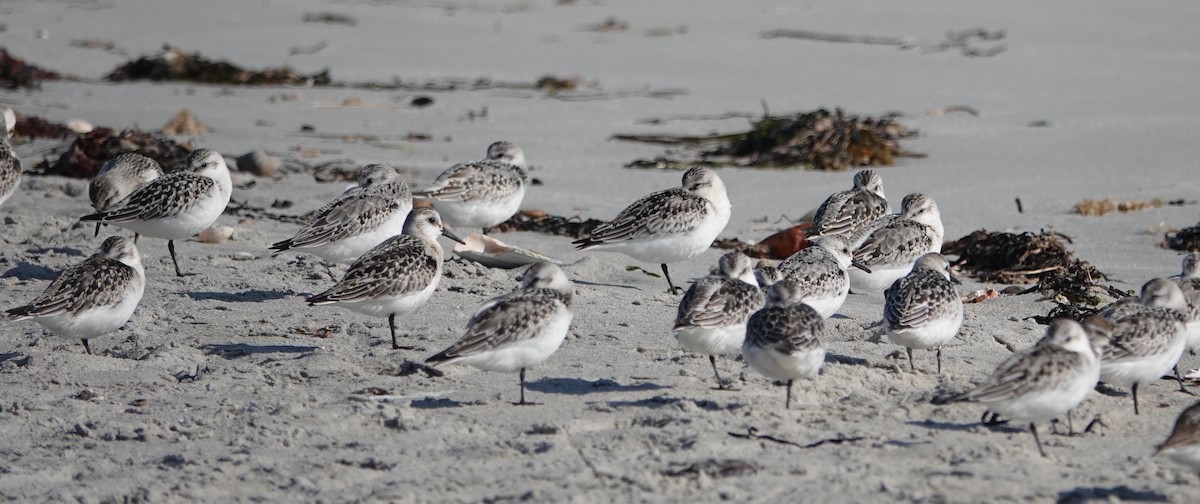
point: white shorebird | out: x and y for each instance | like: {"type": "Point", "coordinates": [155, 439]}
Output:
{"type": "Point", "coordinates": [821, 269]}
{"type": "Point", "coordinates": [357, 220]}
{"type": "Point", "coordinates": [847, 212]}
{"type": "Point", "coordinates": [518, 330]}
{"type": "Point", "coordinates": [93, 297]}
{"type": "Point", "coordinates": [1183, 445]}
{"type": "Point", "coordinates": [894, 243]}
{"type": "Point", "coordinates": [923, 310]}
{"type": "Point", "coordinates": [10, 164]}
{"type": "Point", "coordinates": [711, 319]}
{"type": "Point", "coordinates": [668, 226]}
{"type": "Point", "coordinates": [397, 276]}
{"type": "Point", "coordinates": [1041, 382]}
{"type": "Point", "coordinates": [118, 178]}
{"type": "Point", "coordinates": [481, 194]}
{"type": "Point", "coordinates": [177, 205]}
{"type": "Point", "coordinates": [783, 339]}
{"type": "Point", "coordinates": [1146, 341]}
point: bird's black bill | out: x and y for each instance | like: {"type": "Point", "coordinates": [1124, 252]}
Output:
{"type": "Point", "coordinates": [451, 236]}
{"type": "Point", "coordinates": [860, 266]}
{"type": "Point", "coordinates": [955, 280]}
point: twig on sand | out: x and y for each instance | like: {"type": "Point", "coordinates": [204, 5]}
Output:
{"type": "Point", "coordinates": [752, 433]}
{"type": "Point", "coordinates": [962, 40]}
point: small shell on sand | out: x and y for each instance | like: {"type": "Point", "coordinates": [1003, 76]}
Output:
{"type": "Point", "coordinates": [216, 234]}
{"type": "Point", "coordinates": [80, 126]}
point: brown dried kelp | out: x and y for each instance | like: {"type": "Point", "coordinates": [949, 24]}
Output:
{"type": "Point", "coordinates": [820, 139]}
{"type": "Point", "coordinates": [90, 150]}
{"type": "Point", "coordinates": [1042, 258]}
{"type": "Point", "coordinates": [176, 65]}
{"type": "Point", "coordinates": [16, 73]}
{"type": "Point", "coordinates": [540, 222]}
{"type": "Point", "coordinates": [1186, 239]}
{"type": "Point", "coordinates": [1108, 205]}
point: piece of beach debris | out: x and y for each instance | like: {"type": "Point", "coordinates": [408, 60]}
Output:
{"type": "Point", "coordinates": [1107, 205]}
{"type": "Point", "coordinates": [259, 163]}
{"type": "Point", "coordinates": [965, 41]}
{"type": "Point", "coordinates": [820, 140]}
{"type": "Point", "coordinates": [316, 332]}
{"type": "Point", "coordinates": [329, 18]}
{"type": "Point", "coordinates": [494, 253]}
{"type": "Point", "coordinates": [174, 64]}
{"type": "Point", "coordinates": [16, 73]}
{"type": "Point", "coordinates": [372, 391]}
{"type": "Point", "coordinates": [539, 221]}
{"type": "Point", "coordinates": [39, 127]}
{"type": "Point", "coordinates": [88, 151]}
{"type": "Point", "coordinates": [79, 126]}
{"type": "Point", "coordinates": [608, 25]}
{"type": "Point", "coordinates": [713, 468]}
{"type": "Point", "coordinates": [553, 84]}
{"type": "Point", "coordinates": [184, 123]}
{"type": "Point", "coordinates": [752, 433]}
{"type": "Point", "coordinates": [780, 245]}
{"type": "Point", "coordinates": [980, 296]}
{"type": "Point", "coordinates": [1186, 239]}
{"type": "Point", "coordinates": [1042, 258]}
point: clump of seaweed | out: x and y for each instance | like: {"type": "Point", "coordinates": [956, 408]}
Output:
{"type": "Point", "coordinates": [16, 73]}
{"type": "Point", "coordinates": [176, 65]}
{"type": "Point", "coordinates": [90, 150]}
{"type": "Point", "coordinates": [1186, 239]}
{"type": "Point", "coordinates": [1039, 258]}
{"type": "Point", "coordinates": [539, 221]}
{"type": "Point", "coordinates": [820, 140]}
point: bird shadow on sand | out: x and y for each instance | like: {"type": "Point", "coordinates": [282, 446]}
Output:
{"type": "Point", "coordinates": [1121, 493]}
{"type": "Point", "coordinates": [250, 296]}
{"type": "Point", "coordinates": [68, 251]}
{"type": "Point", "coordinates": [950, 426]}
{"type": "Point", "coordinates": [440, 402]}
{"type": "Point", "coordinates": [7, 356]}
{"type": "Point", "coordinates": [235, 350]}
{"type": "Point", "coordinates": [576, 386]}
{"type": "Point", "coordinates": [25, 270]}
{"type": "Point", "coordinates": [661, 401]}
{"type": "Point", "coordinates": [604, 284]}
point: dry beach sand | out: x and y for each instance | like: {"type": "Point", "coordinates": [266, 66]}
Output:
{"type": "Point", "coordinates": [216, 390]}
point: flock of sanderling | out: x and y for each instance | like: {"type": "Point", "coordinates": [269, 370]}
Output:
{"type": "Point", "coordinates": [773, 315]}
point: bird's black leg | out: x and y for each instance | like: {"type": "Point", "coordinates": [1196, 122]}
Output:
{"type": "Point", "coordinates": [1033, 429]}
{"type": "Point", "coordinates": [674, 289]}
{"type": "Point", "coordinates": [86, 346]}
{"type": "Point", "coordinates": [171, 247]}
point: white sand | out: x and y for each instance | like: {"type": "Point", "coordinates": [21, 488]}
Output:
{"type": "Point", "coordinates": [271, 415]}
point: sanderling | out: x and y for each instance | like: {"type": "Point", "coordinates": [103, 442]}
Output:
{"type": "Point", "coordinates": [397, 276]}
{"type": "Point", "coordinates": [93, 297]}
{"type": "Point", "coordinates": [480, 194]}
{"type": "Point", "coordinates": [844, 213]}
{"type": "Point", "coordinates": [118, 178]}
{"type": "Point", "coordinates": [668, 226]}
{"type": "Point", "coordinates": [1146, 343]}
{"type": "Point", "coordinates": [783, 339]}
{"type": "Point", "coordinates": [1189, 283]}
{"type": "Point", "coordinates": [176, 205]}
{"type": "Point", "coordinates": [518, 330]}
{"type": "Point", "coordinates": [10, 169]}
{"type": "Point", "coordinates": [711, 319]}
{"type": "Point", "coordinates": [766, 276]}
{"type": "Point", "coordinates": [890, 249]}
{"type": "Point", "coordinates": [356, 221]}
{"type": "Point", "coordinates": [821, 270]}
{"type": "Point", "coordinates": [923, 310]}
{"type": "Point", "coordinates": [1183, 445]}
{"type": "Point", "coordinates": [1041, 382]}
